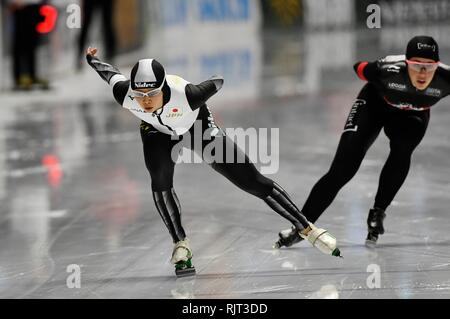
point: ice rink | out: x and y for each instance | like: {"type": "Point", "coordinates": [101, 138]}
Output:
{"type": "Point", "coordinates": [74, 189]}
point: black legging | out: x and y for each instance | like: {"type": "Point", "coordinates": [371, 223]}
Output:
{"type": "Point", "coordinates": [106, 7]}
{"type": "Point", "coordinates": [25, 41]}
{"type": "Point", "coordinates": [241, 172]}
{"type": "Point", "coordinates": [369, 114]}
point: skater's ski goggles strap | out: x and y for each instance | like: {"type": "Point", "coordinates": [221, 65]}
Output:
{"type": "Point", "coordinates": [419, 66]}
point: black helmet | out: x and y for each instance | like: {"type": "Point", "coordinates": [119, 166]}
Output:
{"type": "Point", "coordinates": [423, 47]}
{"type": "Point", "coordinates": [147, 73]}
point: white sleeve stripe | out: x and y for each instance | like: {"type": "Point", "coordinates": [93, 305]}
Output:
{"type": "Point", "coordinates": [117, 78]}
{"type": "Point", "coordinates": [444, 66]}
{"type": "Point", "coordinates": [393, 58]}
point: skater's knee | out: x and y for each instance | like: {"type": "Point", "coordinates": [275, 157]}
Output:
{"type": "Point", "coordinates": [403, 148]}
{"type": "Point", "coordinates": [259, 186]}
{"type": "Point", "coordinates": [408, 136]}
{"type": "Point", "coordinates": [161, 187]}
{"type": "Point", "coordinates": [246, 177]}
{"type": "Point", "coordinates": [161, 182]}
{"type": "Point", "coordinates": [264, 182]}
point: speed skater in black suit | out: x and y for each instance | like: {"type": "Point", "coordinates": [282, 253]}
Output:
{"type": "Point", "coordinates": [399, 93]}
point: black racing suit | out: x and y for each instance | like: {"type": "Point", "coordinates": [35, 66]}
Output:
{"type": "Point", "coordinates": [388, 101]}
{"type": "Point", "coordinates": [160, 164]}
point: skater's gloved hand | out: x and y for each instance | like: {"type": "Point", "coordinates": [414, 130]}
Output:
{"type": "Point", "coordinates": [218, 81]}
{"type": "Point", "coordinates": [91, 51]}
{"type": "Point", "coordinates": [90, 54]}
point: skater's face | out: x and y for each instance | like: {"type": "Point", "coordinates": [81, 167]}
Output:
{"type": "Point", "coordinates": [150, 103]}
{"type": "Point", "coordinates": [421, 72]}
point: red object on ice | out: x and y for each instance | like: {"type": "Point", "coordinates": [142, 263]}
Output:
{"type": "Point", "coordinates": [51, 15]}
{"type": "Point", "coordinates": [54, 171]}
{"type": "Point", "coordinates": [50, 160]}
{"type": "Point", "coordinates": [175, 110]}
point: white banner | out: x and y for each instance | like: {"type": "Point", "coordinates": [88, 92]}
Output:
{"type": "Point", "coordinates": [329, 13]}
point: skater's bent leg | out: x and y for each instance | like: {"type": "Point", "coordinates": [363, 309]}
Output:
{"type": "Point", "coordinates": [346, 163]}
{"type": "Point", "coordinates": [170, 211]}
{"type": "Point", "coordinates": [405, 131]}
{"type": "Point", "coordinates": [157, 153]}
{"type": "Point", "coordinates": [405, 134]}
{"type": "Point", "coordinates": [280, 202]}
{"type": "Point", "coordinates": [363, 125]}
{"type": "Point", "coordinates": [392, 176]}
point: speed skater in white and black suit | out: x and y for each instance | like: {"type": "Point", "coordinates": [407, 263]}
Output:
{"type": "Point", "coordinates": [169, 105]}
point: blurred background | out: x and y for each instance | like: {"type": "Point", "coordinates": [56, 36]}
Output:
{"type": "Point", "coordinates": [73, 185]}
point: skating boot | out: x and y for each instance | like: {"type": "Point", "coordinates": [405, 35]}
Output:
{"type": "Point", "coordinates": [41, 84]}
{"type": "Point", "coordinates": [287, 238]}
{"type": "Point", "coordinates": [322, 240]}
{"type": "Point", "coordinates": [182, 259]}
{"type": "Point", "coordinates": [375, 224]}
{"type": "Point", "coordinates": [25, 83]}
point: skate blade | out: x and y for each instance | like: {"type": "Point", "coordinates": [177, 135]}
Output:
{"type": "Point", "coordinates": [185, 272]}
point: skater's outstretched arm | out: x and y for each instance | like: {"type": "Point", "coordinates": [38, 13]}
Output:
{"type": "Point", "coordinates": [198, 94]}
{"type": "Point", "coordinates": [109, 74]}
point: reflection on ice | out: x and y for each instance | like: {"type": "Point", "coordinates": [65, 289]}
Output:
{"type": "Point", "coordinates": [326, 292]}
